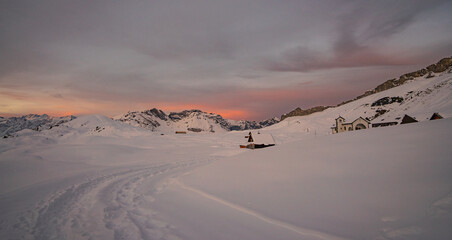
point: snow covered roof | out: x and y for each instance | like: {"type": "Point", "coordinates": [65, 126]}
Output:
{"type": "Point", "coordinates": [262, 138]}
{"type": "Point", "coordinates": [361, 118]}
{"type": "Point", "coordinates": [398, 118]}
{"type": "Point", "coordinates": [386, 119]}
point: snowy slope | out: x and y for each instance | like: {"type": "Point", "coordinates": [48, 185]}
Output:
{"type": "Point", "coordinates": [87, 179]}
{"type": "Point", "coordinates": [188, 120]}
{"type": "Point", "coordinates": [96, 178]}
{"type": "Point", "coordinates": [386, 183]}
{"type": "Point", "coordinates": [82, 126]}
{"type": "Point", "coordinates": [421, 96]}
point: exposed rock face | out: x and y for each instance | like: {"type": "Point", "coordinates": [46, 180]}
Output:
{"type": "Point", "coordinates": [247, 125]}
{"type": "Point", "coordinates": [194, 129]}
{"type": "Point", "coordinates": [269, 122]}
{"type": "Point", "coordinates": [145, 119]}
{"type": "Point", "coordinates": [440, 66]}
{"type": "Point", "coordinates": [35, 122]}
{"type": "Point", "coordinates": [387, 100]}
{"type": "Point", "coordinates": [301, 112]}
{"type": "Point", "coordinates": [158, 113]}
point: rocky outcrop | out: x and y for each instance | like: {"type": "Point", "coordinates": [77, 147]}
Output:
{"type": "Point", "coordinates": [158, 113]}
{"type": "Point", "coordinates": [387, 100]}
{"type": "Point", "coordinates": [145, 119]}
{"type": "Point", "coordinates": [301, 112]}
{"type": "Point", "coordinates": [248, 125]}
{"type": "Point", "coordinates": [439, 67]}
{"type": "Point", "coordinates": [269, 122]}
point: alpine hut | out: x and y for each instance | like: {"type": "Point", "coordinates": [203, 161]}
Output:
{"type": "Point", "coordinates": [259, 140]}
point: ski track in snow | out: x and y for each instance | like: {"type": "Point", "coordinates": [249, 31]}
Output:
{"type": "Point", "coordinates": [74, 212]}
{"type": "Point", "coordinates": [299, 230]}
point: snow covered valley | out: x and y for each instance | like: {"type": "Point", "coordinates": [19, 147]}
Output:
{"type": "Point", "coordinates": [95, 178]}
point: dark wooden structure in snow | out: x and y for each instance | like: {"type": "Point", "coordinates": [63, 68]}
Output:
{"type": "Point", "coordinates": [408, 119]}
{"type": "Point", "coordinates": [384, 124]}
{"type": "Point", "coordinates": [259, 140]}
{"type": "Point", "coordinates": [436, 116]}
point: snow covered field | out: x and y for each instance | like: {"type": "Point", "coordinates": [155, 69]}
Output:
{"type": "Point", "coordinates": [94, 178]}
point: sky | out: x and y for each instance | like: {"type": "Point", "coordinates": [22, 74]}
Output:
{"type": "Point", "coordinates": [243, 59]}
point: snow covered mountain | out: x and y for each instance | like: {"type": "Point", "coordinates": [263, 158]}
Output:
{"type": "Point", "coordinates": [32, 121]}
{"type": "Point", "coordinates": [188, 120]}
{"type": "Point", "coordinates": [419, 96]}
{"type": "Point", "coordinates": [441, 66]}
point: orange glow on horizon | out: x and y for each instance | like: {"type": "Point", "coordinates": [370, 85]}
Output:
{"type": "Point", "coordinates": [246, 104]}
{"type": "Point", "coordinates": [234, 114]}
{"type": "Point", "coordinates": [28, 103]}
{"type": "Point", "coordinates": [62, 113]}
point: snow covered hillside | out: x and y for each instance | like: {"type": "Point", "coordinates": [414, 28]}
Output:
{"type": "Point", "coordinates": [87, 179]}
{"type": "Point", "coordinates": [95, 178]}
{"type": "Point", "coordinates": [35, 122]}
{"type": "Point", "coordinates": [419, 98]}
{"type": "Point", "coordinates": [388, 183]}
{"type": "Point", "coordinates": [188, 120]}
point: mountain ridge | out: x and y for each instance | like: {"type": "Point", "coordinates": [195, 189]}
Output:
{"type": "Point", "coordinates": [419, 98]}
{"type": "Point", "coordinates": [35, 122]}
{"type": "Point", "coordinates": [441, 66]}
{"type": "Point", "coordinates": [188, 120]}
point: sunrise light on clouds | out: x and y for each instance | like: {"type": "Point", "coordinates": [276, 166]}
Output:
{"type": "Point", "coordinates": [240, 59]}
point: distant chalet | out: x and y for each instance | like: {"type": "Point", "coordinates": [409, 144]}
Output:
{"type": "Point", "coordinates": [342, 126]}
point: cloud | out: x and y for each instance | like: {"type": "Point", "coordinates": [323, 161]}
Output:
{"type": "Point", "coordinates": [302, 59]}
{"type": "Point", "coordinates": [120, 56]}
{"type": "Point", "coordinates": [359, 34]}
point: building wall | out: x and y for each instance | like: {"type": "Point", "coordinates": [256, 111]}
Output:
{"type": "Point", "coordinates": [342, 126]}
{"type": "Point", "coordinates": [360, 121]}
{"type": "Point", "coordinates": [383, 124]}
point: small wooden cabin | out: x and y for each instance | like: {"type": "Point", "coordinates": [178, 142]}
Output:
{"type": "Point", "coordinates": [259, 140]}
